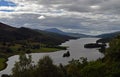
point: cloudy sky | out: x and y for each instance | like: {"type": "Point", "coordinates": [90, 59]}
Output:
{"type": "Point", "coordinates": [82, 16]}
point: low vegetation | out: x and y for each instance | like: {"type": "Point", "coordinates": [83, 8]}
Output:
{"type": "Point", "coordinates": [2, 63]}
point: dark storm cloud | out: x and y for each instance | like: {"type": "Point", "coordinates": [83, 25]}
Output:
{"type": "Point", "coordinates": [72, 5]}
{"type": "Point", "coordinates": [33, 21]}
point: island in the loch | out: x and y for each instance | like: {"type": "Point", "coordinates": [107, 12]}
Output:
{"type": "Point", "coordinates": [94, 45]}
{"type": "Point", "coordinates": [67, 54]}
{"type": "Point", "coordinates": [101, 44]}
{"type": "Point", "coordinates": [24, 40]}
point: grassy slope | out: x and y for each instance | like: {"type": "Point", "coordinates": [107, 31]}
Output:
{"type": "Point", "coordinates": [2, 63]}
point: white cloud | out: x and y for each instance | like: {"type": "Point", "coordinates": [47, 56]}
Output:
{"type": "Point", "coordinates": [6, 8]}
{"type": "Point", "coordinates": [95, 6]}
{"type": "Point", "coordinates": [5, 15]}
{"type": "Point", "coordinates": [41, 17]}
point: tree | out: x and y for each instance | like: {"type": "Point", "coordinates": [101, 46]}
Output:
{"type": "Point", "coordinates": [37, 46]}
{"type": "Point", "coordinates": [113, 52]}
{"type": "Point", "coordinates": [94, 69]}
{"type": "Point", "coordinates": [9, 50]}
{"type": "Point", "coordinates": [46, 68]}
{"type": "Point", "coordinates": [24, 67]}
{"type": "Point", "coordinates": [5, 75]}
{"type": "Point", "coordinates": [73, 68]}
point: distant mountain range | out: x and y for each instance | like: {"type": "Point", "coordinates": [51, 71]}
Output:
{"type": "Point", "coordinates": [77, 35]}
{"type": "Point", "coordinates": [51, 36]}
{"type": "Point", "coordinates": [8, 33]}
{"type": "Point", "coordinates": [106, 36]}
{"type": "Point", "coordinates": [109, 35]}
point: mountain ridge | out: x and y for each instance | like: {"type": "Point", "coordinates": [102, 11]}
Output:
{"type": "Point", "coordinates": [9, 33]}
{"type": "Point", "coordinates": [77, 35]}
{"type": "Point", "coordinates": [109, 35]}
{"type": "Point", "coordinates": [55, 30]}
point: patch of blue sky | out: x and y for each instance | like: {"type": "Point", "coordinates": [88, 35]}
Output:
{"type": "Point", "coordinates": [7, 10]}
{"type": "Point", "coordinates": [7, 3]}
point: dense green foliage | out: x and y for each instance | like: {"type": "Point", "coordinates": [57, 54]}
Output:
{"type": "Point", "coordinates": [109, 66]}
{"type": "Point", "coordinates": [2, 65]}
{"type": "Point", "coordinates": [23, 67]}
{"type": "Point", "coordinates": [44, 68]}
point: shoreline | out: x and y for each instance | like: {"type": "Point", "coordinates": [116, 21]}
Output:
{"type": "Point", "coordinates": [4, 63]}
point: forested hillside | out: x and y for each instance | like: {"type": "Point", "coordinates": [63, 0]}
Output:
{"type": "Point", "coordinates": [8, 34]}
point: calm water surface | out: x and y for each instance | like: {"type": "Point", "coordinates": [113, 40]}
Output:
{"type": "Point", "coordinates": [76, 48]}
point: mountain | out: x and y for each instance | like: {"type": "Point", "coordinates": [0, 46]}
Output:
{"type": "Point", "coordinates": [55, 30]}
{"type": "Point", "coordinates": [5, 27]}
{"type": "Point", "coordinates": [76, 35]}
{"type": "Point", "coordinates": [8, 34]}
{"type": "Point", "coordinates": [109, 35]}
{"type": "Point", "coordinates": [105, 38]}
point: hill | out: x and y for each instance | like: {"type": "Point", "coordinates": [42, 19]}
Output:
{"type": "Point", "coordinates": [109, 35]}
{"type": "Point", "coordinates": [105, 38]}
{"type": "Point", "coordinates": [8, 33]}
{"type": "Point", "coordinates": [5, 27]}
{"type": "Point", "coordinates": [76, 35]}
{"type": "Point", "coordinates": [55, 30]}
